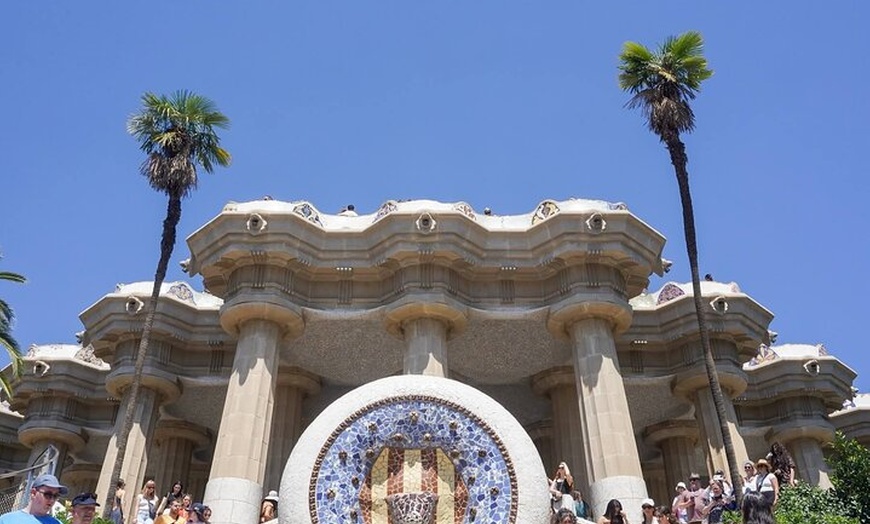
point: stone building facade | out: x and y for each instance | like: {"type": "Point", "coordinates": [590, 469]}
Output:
{"type": "Point", "coordinates": [547, 312]}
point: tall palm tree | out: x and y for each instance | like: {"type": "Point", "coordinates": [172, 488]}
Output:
{"type": "Point", "coordinates": [178, 133]}
{"type": "Point", "coordinates": [662, 83]}
{"type": "Point", "coordinates": [6, 339]}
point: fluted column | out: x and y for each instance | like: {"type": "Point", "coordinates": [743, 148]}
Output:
{"type": "Point", "coordinates": [611, 458]}
{"type": "Point", "coordinates": [810, 461]}
{"type": "Point", "coordinates": [158, 386]}
{"type": "Point", "coordinates": [705, 411]}
{"type": "Point", "coordinates": [677, 440]}
{"type": "Point", "coordinates": [426, 347]}
{"type": "Point", "coordinates": [80, 478]}
{"type": "Point", "coordinates": [293, 387]}
{"type": "Point", "coordinates": [804, 439]}
{"type": "Point", "coordinates": [239, 464]}
{"type": "Point", "coordinates": [425, 327]}
{"type": "Point", "coordinates": [136, 456]}
{"type": "Point", "coordinates": [174, 443]}
{"type": "Point", "coordinates": [560, 386]}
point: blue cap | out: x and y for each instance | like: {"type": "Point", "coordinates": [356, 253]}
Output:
{"type": "Point", "coordinates": [85, 499]}
{"type": "Point", "coordinates": [49, 481]}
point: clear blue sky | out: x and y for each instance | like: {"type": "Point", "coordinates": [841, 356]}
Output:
{"type": "Point", "coordinates": [499, 104]}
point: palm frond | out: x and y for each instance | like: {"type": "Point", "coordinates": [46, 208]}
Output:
{"type": "Point", "coordinates": [663, 82]}
{"type": "Point", "coordinates": [177, 132]}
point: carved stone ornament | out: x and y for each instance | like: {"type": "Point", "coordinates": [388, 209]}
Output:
{"type": "Point", "coordinates": [596, 223]}
{"type": "Point", "coordinates": [545, 210]}
{"type": "Point", "coordinates": [133, 305]}
{"type": "Point", "coordinates": [256, 224]}
{"type": "Point", "coordinates": [719, 305]}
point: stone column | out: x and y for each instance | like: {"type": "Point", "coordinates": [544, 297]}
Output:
{"type": "Point", "coordinates": [705, 411]}
{"type": "Point", "coordinates": [810, 461]}
{"type": "Point", "coordinates": [39, 448]}
{"type": "Point", "coordinates": [174, 443]}
{"type": "Point", "coordinates": [135, 458]}
{"type": "Point", "coordinates": [610, 452]}
{"type": "Point", "coordinates": [426, 347]}
{"type": "Point", "coordinates": [293, 386]}
{"type": "Point", "coordinates": [80, 478]}
{"type": "Point", "coordinates": [425, 327]}
{"type": "Point", "coordinates": [235, 485]}
{"type": "Point", "coordinates": [158, 386]}
{"type": "Point", "coordinates": [677, 440]}
{"type": "Point", "coordinates": [804, 440]}
{"type": "Point", "coordinates": [559, 384]}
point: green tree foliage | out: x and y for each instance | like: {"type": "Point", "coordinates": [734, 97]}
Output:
{"type": "Point", "coordinates": [7, 341]}
{"type": "Point", "coordinates": [850, 475]}
{"type": "Point", "coordinates": [806, 504]}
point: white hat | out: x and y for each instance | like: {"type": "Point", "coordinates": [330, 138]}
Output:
{"type": "Point", "coordinates": [680, 485]}
{"type": "Point", "coordinates": [647, 502]}
{"type": "Point", "coordinates": [273, 496]}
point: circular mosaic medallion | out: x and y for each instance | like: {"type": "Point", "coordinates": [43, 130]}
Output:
{"type": "Point", "coordinates": [413, 444]}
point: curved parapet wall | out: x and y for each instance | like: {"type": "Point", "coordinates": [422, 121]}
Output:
{"type": "Point", "coordinates": [412, 434]}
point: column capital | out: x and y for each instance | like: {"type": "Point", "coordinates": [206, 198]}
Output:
{"type": "Point", "coordinates": [801, 428]}
{"type": "Point", "coordinates": [551, 378]}
{"type": "Point", "coordinates": [669, 429]}
{"type": "Point", "coordinates": [31, 435]}
{"type": "Point", "coordinates": [154, 378]}
{"type": "Point", "coordinates": [271, 307]}
{"type": "Point", "coordinates": [453, 317]}
{"type": "Point", "coordinates": [562, 317]}
{"type": "Point", "coordinates": [308, 383]}
{"type": "Point", "coordinates": [181, 429]}
{"type": "Point", "coordinates": [731, 378]}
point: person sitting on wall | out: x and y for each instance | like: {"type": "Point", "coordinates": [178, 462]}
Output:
{"type": "Point", "coordinates": [581, 508]}
{"type": "Point", "coordinates": [561, 488]}
{"type": "Point", "coordinates": [84, 508]}
{"type": "Point", "coordinates": [44, 491]}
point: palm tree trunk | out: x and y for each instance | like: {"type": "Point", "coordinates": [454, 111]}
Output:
{"type": "Point", "coordinates": [167, 244]}
{"type": "Point", "coordinates": [679, 159]}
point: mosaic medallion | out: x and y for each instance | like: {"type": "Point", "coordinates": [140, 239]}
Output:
{"type": "Point", "coordinates": [413, 451]}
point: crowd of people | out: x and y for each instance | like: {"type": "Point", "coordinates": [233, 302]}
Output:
{"type": "Point", "coordinates": [695, 503]}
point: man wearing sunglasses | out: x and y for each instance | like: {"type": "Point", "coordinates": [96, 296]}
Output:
{"type": "Point", "coordinates": [44, 492]}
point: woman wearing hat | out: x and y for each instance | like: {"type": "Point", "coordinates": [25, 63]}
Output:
{"type": "Point", "coordinates": [766, 483]}
{"type": "Point", "coordinates": [269, 507]}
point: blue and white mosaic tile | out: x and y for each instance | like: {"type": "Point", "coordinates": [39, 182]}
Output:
{"type": "Point", "coordinates": [413, 422]}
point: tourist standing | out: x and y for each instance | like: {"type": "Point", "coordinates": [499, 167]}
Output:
{"type": "Point", "coordinates": [748, 477]}
{"type": "Point", "coordinates": [173, 515]}
{"type": "Point", "coordinates": [176, 492]}
{"type": "Point", "coordinates": [117, 513]}
{"type": "Point", "coordinates": [44, 491]}
{"type": "Point", "coordinates": [692, 500]}
{"type": "Point", "coordinates": [677, 510]}
{"type": "Point", "coordinates": [716, 503]}
{"type": "Point", "coordinates": [613, 514]}
{"type": "Point", "coordinates": [766, 482]}
{"type": "Point", "coordinates": [146, 504]}
{"type": "Point", "coordinates": [84, 508]}
{"type": "Point", "coordinates": [781, 464]}
{"type": "Point", "coordinates": [647, 508]}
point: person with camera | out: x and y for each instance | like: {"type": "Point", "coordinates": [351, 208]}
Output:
{"type": "Point", "coordinates": [716, 502]}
